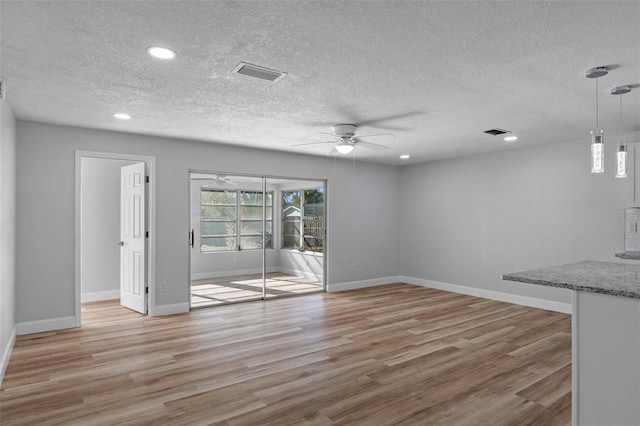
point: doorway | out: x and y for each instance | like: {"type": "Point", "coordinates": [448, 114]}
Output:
{"type": "Point", "coordinates": [100, 252]}
{"type": "Point", "coordinates": [255, 237]}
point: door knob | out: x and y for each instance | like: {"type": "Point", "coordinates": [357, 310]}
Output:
{"type": "Point", "coordinates": [121, 243]}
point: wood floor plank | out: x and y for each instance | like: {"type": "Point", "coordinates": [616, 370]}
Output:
{"type": "Point", "coordinates": [393, 354]}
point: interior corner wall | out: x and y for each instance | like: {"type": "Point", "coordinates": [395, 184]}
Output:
{"type": "Point", "coordinates": [469, 220]}
{"type": "Point", "coordinates": [362, 208]}
{"type": "Point", "coordinates": [100, 224]}
{"type": "Point", "coordinates": [7, 232]}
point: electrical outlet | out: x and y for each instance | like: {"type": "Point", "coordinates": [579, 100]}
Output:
{"type": "Point", "coordinates": [421, 265]}
{"type": "Point", "coordinates": [163, 287]}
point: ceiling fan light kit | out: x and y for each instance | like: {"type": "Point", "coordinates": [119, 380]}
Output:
{"type": "Point", "coordinates": [345, 146]}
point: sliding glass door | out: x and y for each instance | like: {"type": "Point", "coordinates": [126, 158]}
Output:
{"type": "Point", "coordinates": [254, 237]}
{"type": "Point", "coordinates": [301, 237]}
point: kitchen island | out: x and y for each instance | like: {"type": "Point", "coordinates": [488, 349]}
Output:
{"type": "Point", "coordinates": [605, 333]}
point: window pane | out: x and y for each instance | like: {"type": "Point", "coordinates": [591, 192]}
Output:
{"type": "Point", "coordinates": [212, 196]}
{"type": "Point", "coordinates": [217, 228]}
{"type": "Point", "coordinates": [218, 243]}
{"type": "Point", "coordinates": [291, 227]}
{"type": "Point", "coordinates": [218, 212]}
{"type": "Point", "coordinates": [290, 242]}
{"type": "Point", "coordinates": [254, 212]}
{"type": "Point", "coordinates": [254, 227]}
{"type": "Point", "coordinates": [290, 198]}
{"type": "Point", "coordinates": [314, 196]}
{"type": "Point", "coordinates": [255, 198]}
{"type": "Point", "coordinates": [314, 226]}
{"type": "Point", "coordinates": [314, 244]}
{"type": "Point", "coordinates": [313, 203]}
{"type": "Point", "coordinates": [254, 242]}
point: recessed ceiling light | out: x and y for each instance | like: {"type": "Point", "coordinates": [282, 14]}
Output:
{"type": "Point", "coordinates": [161, 52]}
{"type": "Point", "coordinates": [510, 138]}
{"type": "Point", "coordinates": [405, 156]}
{"type": "Point", "coordinates": [122, 116]}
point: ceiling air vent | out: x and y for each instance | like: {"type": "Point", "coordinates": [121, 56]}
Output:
{"type": "Point", "coordinates": [496, 132]}
{"type": "Point", "coordinates": [259, 72]}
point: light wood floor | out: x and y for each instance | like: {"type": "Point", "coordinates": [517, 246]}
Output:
{"type": "Point", "coordinates": [394, 354]}
{"type": "Point", "coordinates": [219, 291]}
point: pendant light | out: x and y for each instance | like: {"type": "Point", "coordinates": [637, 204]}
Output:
{"type": "Point", "coordinates": [597, 135]}
{"type": "Point", "coordinates": [621, 151]}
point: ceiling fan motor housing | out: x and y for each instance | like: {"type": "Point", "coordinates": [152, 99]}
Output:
{"type": "Point", "coordinates": [345, 130]}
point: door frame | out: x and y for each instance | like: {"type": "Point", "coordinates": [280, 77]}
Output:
{"type": "Point", "coordinates": [325, 185]}
{"type": "Point", "coordinates": [151, 216]}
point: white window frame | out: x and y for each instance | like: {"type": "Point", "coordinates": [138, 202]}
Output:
{"type": "Point", "coordinates": [301, 244]}
{"type": "Point", "coordinates": [238, 221]}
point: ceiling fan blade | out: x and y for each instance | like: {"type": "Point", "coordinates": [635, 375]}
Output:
{"type": "Point", "coordinates": [372, 145]}
{"type": "Point", "coordinates": [326, 133]}
{"type": "Point", "coordinates": [346, 113]}
{"type": "Point", "coordinates": [375, 121]}
{"type": "Point", "coordinates": [312, 143]}
{"type": "Point", "coordinates": [359, 137]}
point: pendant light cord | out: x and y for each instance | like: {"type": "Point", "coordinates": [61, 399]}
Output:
{"type": "Point", "coordinates": [620, 116]}
{"type": "Point", "coordinates": [597, 123]}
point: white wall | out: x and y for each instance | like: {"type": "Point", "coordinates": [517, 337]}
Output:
{"type": "Point", "coordinates": [100, 265]}
{"type": "Point", "coordinates": [467, 221]}
{"type": "Point", "coordinates": [464, 221]}
{"type": "Point", "coordinates": [361, 213]}
{"type": "Point", "coordinates": [7, 232]}
{"type": "Point", "coordinates": [302, 264]}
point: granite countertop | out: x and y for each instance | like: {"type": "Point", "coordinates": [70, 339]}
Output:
{"type": "Point", "coordinates": [617, 279]}
{"type": "Point", "coordinates": [630, 255]}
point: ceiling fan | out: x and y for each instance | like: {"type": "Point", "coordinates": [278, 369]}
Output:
{"type": "Point", "coordinates": [219, 179]}
{"type": "Point", "coordinates": [345, 139]}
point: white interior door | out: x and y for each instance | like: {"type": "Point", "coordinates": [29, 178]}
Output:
{"type": "Point", "coordinates": [132, 238]}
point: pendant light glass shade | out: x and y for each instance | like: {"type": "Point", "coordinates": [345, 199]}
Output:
{"type": "Point", "coordinates": [597, 135]}
{"type": "Point", "coordinates": [621, 159]}
{"type": "Point", "coordinates": [597, 151]}
{"type": "Point", "coordinates": [621, 152]}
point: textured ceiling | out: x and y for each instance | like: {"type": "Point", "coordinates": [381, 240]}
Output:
{"type": "Point", "coordinates": [433, 74]}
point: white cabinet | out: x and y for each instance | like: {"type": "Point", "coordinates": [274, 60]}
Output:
{"type": "Point", "coordinates": [606, 360]}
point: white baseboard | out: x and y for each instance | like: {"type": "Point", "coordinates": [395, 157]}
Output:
{"type": "Point", "coordinates": [41, 326]}
{"type": "Point", "coordinates": [176, 308]}
{"type": "Point", "coordinates": [6, 354]}
{"type": "Point", "coordinates": [96, 296]}
{"type": "Point", "coordinates": [533, 302]}
{"type": "Point", "coordinates": [295, 272]}
{"type": "Point", "coordinates": [220, 274]}
{"type": "Point", "coordinates": [352, 285]}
